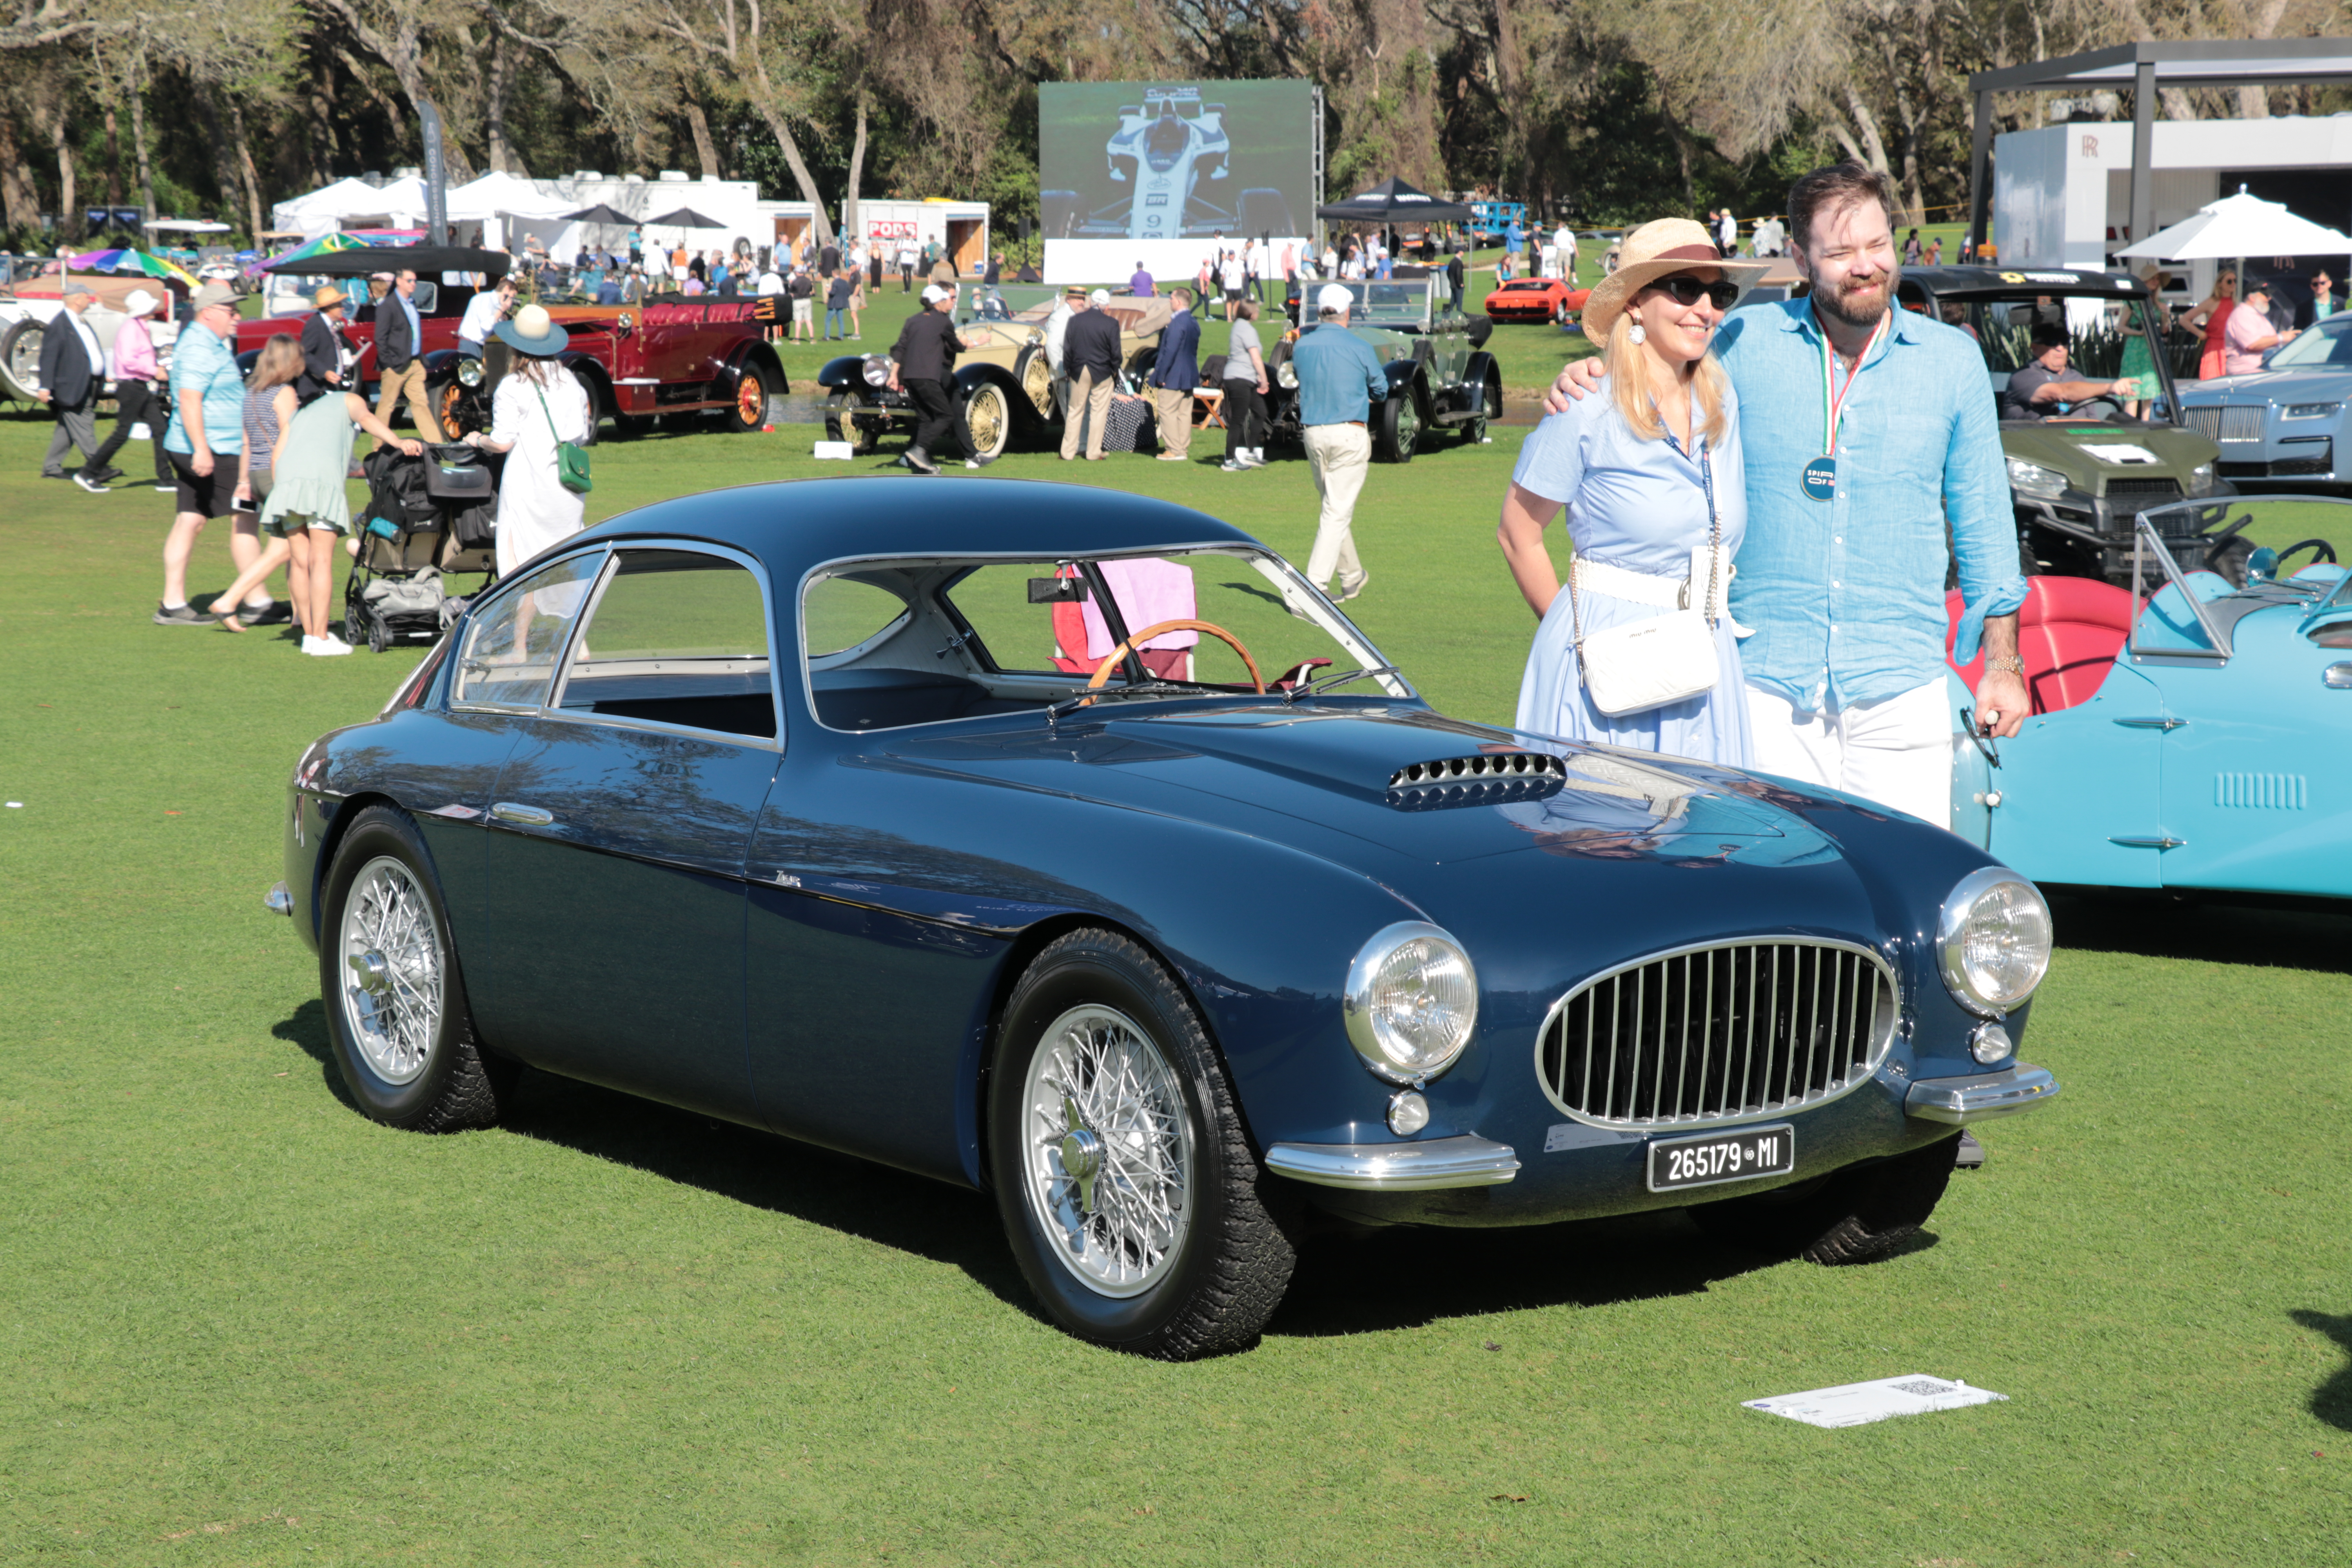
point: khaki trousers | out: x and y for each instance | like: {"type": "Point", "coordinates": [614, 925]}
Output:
{"type": "Point", "coordinates": [1340, 454]}
{"type": "Point", "coordinates": [1089, 399]}
{"type": "Point", "coordinates": [408, 382]}
{"type": "Point", "coordinates": [1175, 410]}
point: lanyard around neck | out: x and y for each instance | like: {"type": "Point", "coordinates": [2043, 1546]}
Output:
{"type": "Point", "coordinates": [1833, 396]}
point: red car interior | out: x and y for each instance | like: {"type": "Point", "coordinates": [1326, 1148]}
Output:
{"type": "Point", "coordinates": [2069, 631]}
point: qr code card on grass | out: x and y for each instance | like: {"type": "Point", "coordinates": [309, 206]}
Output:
{"type": "Point", "coordinates": [1859, 1404]}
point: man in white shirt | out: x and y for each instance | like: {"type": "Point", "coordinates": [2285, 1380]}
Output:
{"type": "Point", "coordinates": [1058, 328]}
{"type": "Point", "coordinates": [1563, 241]}
{"type": "Point", "coordinates": [483, 313]}
{"type": "Point", "coordinates": [1330, 262]}
{"type": "Point", "coordinates": [1231, 278]}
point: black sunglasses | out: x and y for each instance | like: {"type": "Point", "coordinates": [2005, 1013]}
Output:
{"type": "Point", "coordinates": [1687, 290]}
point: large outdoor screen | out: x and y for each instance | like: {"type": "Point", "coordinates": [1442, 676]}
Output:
{"type": "Point", "coordinates": [1177, 159]}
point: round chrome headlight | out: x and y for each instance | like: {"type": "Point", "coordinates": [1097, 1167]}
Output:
{"type": "Point", "coordinates": [878, 372]}
{"type": "Point", "coordinates": [1993, 939]}
{"type": "Point", "coordinates": [470, 372]}
{"type": "Point", "coordinates": [1286, 375]}
{"type": "Point", "coordinates": [1410, 1003]}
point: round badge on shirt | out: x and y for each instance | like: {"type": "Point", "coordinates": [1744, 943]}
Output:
{"type": "Point", "coordinates": [1821, 479]}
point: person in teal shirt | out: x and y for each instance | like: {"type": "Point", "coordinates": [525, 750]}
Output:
{"type": "Point", "coordinates": [1338, 376]}
{"type": "Point", "coordinates": [202, 444]}
{"type": "Point", "coordinates": [1868, 433]}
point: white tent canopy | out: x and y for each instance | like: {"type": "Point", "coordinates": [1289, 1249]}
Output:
{"type": "Point", "coordinates": [402, 201]}
{"type": "Point", "coordinates": [498, 194]}
{"type": "Point", "coordinates": [2236, 226]}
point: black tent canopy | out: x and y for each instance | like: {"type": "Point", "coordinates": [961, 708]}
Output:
{"type": "Point", "coordinates": [1393, 202]}
{"type": "Point", "coordinates": [428, 260]}
{"type": "Point", "coordinates": [602, 214]}
{"type": "Point", "coordinates": [684, 217]}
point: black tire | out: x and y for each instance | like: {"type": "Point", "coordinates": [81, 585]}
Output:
{"type": "Point", "coordinates": [20, 358]}
{"type": "Point", "coordinates": [455, 1083]}
{"type": "Point", "coordinates": [379, 638]}
{"type": "Point", "coordinates": [355, 624]}
{"type": "Point", "coordinates": [1213, 1289]}
{"type": "Point", "coordinates": [1859, 1214]}
{"type": "Point", "coordinates": [841, 422]}
{"type": "Point", "coordinates": [747, 409]}
{"type": "Point", "coordinates": [1398, 425]}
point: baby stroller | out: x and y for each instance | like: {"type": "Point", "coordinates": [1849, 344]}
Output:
{"type": "Point", "coordinates": [427, 519]}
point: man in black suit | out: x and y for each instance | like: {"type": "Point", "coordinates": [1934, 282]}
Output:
{"type": "Point", "coordinates": [1090, 357]}
{"type": "Point", "coordinates": [73, 369]}
{"type": "Point", "coordinates": [400, 357]}
{"type": "Point", "coordinates": [325, 351]}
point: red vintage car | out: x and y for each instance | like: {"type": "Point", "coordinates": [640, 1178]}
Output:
{"type": "Point", "coordinates": [1536, 300]}
{"type": "Point", "coordinates": [673, 356]}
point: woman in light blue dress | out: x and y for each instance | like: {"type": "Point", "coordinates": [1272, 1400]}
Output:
{"type": "Point", "coordinates": [1650, 470]}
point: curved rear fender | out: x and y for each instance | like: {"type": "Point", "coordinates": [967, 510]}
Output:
{"type": "Point", "coordinates": [755, 352]}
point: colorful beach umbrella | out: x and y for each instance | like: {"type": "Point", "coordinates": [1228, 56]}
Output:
{"type": "Point", "coordinates": [325, 244]}
{"type": "Point", "coordinates": [137, 261]}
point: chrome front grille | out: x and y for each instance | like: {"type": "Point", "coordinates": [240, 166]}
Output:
{"type": "Point", "coordinates": [2234, 424]}
{"type": "Point", "coordinates": [1719, 1033]}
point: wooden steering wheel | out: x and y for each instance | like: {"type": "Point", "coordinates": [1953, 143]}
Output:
{"type": "Point", "coordinates": [1102, 673]}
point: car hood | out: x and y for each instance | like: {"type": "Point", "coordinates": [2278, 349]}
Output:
{"type": "Point", "coordinates": [1373, 783]}
{"type": "Point", "coordinates": [2111, 449]}
{"type": "Point", "coordinates": [2270, 386]}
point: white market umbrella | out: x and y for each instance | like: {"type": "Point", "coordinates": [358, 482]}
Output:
{"type": "Point", "coordinates": [2236, 226]}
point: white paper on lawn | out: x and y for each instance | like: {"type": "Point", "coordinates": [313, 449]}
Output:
{"type": "Point", "coordinates": [833, 451]}
{"type": "Point", "coordinates": [1859, 1404]}
{"type": "Point", "coordinates": [2119, 453]}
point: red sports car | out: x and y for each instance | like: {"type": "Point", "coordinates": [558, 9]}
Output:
{"type": "Point", "coordinates": [1536, 300]}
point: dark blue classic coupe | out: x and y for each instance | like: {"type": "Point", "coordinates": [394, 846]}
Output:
{"type": "Point", "coordinates": [1067, 845]}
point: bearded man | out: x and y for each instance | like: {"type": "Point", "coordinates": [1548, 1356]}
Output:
{"type": "Point", "coordinates": [1869, 434]}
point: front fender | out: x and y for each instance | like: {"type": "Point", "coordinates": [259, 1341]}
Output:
{"type": "Point", "coordinates": [1475, 373]}
{"type": "Point", "coordinates": [1404, 378]}
{"type": "Point", "coordinates": [440, 363]}
{"type": "Point", "coordinates": [849, 369]}
{"type": "Point", "coordinates": [1024, 413]}
{"type": "Point", "coordinates": [752, 352]}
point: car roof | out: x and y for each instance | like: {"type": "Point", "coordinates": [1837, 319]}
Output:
{"type": "Point", "coordinates": [795, 525]}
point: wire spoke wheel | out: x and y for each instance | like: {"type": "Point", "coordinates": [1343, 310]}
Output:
{"type": "Point", "coordinates": [393, 969]}
{"type": "Point", "coordinates": [1108, 1161]}
{"type": "Point", "coordinates": [987, 414]}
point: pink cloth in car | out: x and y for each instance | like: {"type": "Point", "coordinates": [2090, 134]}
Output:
{"type": "Point", "coordinates": [1149, 591]}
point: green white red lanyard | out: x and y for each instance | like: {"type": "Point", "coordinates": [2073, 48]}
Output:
{"type": "Point", "coordinates": [1832, 398]}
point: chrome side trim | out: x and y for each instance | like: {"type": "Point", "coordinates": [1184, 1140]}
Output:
{"type": "Point", "coordinates": [522, 815]}
{"type": "Point", "coordinates": [277, 901]}
{"type": "Point", "coordinates": [1981, 1098]}
{"type": "Point", "coordinates": [1463, 1162]}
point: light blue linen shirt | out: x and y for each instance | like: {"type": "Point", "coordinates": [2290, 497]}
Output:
{"type": "Point", "coordinates": [204, 363]}
{"type": "Point", "coordinates": [1338, 375]}
{"type": "Point", "coordinates": [1847, 595]}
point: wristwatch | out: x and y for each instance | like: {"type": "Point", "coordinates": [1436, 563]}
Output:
{"type": "Point", "coordinates": [2007, 664]}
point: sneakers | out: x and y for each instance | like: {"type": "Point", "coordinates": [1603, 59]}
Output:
{"type": "Point", "coordinates": [920, 461]}
{"type": "Point", "coordinates": [181, 616]}
{"type": "Point", "coordinates": [325, 647]}
{"type": "Point", "coordinates": [978, 462]}
{"type": "Point", "coordinates": [1174, 457]}
{"type": "Point", "coordinates": [107, 475]}
{"type": "Point", "coordinates": [1344, 594]}
{"type": "Point", "coordinates": [92, 486]}
{"type": "Point", "coordinates": [1253, 457]}
{"type": "Point", "coordinates": [1233, 465]}
{"type": "Point", "coordinates": [163, 489]}
{"type": "Point", "coordinates": [276, 613]}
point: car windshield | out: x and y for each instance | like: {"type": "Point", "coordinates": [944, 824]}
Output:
{"type": "Point", "coordinates": [894, 643]}
{"type": "Point", "coordinates": [1402, 303]}
{"type": "Point", "coordinates": [2107, 337]}
{"type": "Point", "coordinates": [2325, 346]}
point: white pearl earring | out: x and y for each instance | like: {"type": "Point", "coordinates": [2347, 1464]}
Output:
{"type": "Point", "coordinates": [1638, 335]}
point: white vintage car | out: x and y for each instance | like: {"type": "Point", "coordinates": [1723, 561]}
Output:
{"type": "Point", "coordinates": [28, 304]}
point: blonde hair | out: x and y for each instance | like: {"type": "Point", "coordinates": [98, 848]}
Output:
{"type": "Point", "coordinates": [280, 362]}
{"type": "Point", "coordinates": [1630, 369]}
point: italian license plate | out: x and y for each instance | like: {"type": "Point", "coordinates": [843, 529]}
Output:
{"type": "Point", "coordinates": [1725, 1157]}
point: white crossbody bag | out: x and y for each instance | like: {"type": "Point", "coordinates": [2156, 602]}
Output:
{"type": "Point", "coordinates": [1665, 658]}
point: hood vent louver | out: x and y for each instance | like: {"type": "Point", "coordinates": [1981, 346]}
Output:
{"type": "Point", "coordinates": [1485, 780]}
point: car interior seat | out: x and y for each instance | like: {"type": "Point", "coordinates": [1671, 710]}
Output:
{"type": "Point", "coordinates": [2069, 631]}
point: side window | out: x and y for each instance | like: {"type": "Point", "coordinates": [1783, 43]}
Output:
{"type": "Point", "coordinates": [511, 648]}
{"type": "Point", "coordinates": [837, 613]}
{"type": "Point", "coordinates": [676, 638]}
{"type": "Point", "coordinates": [1017, 631]}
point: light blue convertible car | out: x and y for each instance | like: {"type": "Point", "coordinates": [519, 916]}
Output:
{"type": "Point", "coordinates": [2284, 425]}
{"type": "Point", "coordinates": [2197, 738]}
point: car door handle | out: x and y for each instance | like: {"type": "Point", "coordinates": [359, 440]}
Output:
{"type": "Point", "coordinates": [2167, 725]}
{"type": "Point", "coordinates": [522, 815]}
{"type": "Point", "coordinates": [2336, 677]}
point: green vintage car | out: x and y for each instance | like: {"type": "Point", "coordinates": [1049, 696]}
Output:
{"type": "Point", "coordinates": [1440, 378]}
{"type": "Point", "coordinates": [2080, 473]}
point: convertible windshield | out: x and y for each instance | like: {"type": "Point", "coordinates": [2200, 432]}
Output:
{"type": "Point", "coordinates": [1376, 301]}
{"type": "Point", "coordinates": [894, 643]}
{"type": "Point", "coordinates": [2327, 346]}
{"type": "Point", "coordinates": [2032, 339]}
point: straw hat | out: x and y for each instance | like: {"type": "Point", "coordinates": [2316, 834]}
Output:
{"type": "Point", "coordinates": [1653, 251]}
{"type": "Point", "coordinates": [533, 332]}
{"type": "Point", "coordinates": [328, 294]}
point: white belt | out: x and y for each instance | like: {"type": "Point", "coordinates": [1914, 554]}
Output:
{"type": "Point", "coordinates": [1662, 592]}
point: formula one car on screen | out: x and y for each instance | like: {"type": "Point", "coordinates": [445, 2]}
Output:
{"type": "Point", "coordinates": [1164, 149]}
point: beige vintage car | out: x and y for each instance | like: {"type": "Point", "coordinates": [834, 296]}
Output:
{"type": "Point", "coordinates": [1003, 385]}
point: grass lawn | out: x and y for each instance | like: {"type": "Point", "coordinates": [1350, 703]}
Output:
{"type": "Point", "coordinates": [243, 1325]}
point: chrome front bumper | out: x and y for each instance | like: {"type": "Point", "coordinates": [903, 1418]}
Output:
{"type": "Point", "coordinates": [1982, 1096]}
{"type": "Point", "coordinates": [1463, 1162]}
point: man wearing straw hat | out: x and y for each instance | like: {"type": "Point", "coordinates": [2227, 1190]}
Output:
{"type": "Point", "coordinates": [326, 355]}
{"type": "Point", "coordinates": [1868, 434]}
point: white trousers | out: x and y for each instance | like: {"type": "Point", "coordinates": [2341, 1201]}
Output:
{"type": "Point", "coordinates": [1896, 751]}
{"type": "Point", "coordinates": [1339, 455]}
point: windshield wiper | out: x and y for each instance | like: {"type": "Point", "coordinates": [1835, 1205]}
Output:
{"type": "Point", "coordinates": [1110, 693]}
{"type": "Point", "coordinates": [1296, 693]}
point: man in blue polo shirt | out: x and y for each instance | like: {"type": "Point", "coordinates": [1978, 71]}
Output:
{"type": "Point", "coordinates": [202, 444]}
{"type": "Point", "coordinates": [1868, 432]}
{"type": "Point", "coordinates": [1338, 376]}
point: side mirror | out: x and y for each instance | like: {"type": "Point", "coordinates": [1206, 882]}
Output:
{"type": "Point", "coordinates": [2261, 565]}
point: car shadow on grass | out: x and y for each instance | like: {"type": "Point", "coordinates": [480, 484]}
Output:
{"type": "Point", "coordinates": [1412, 1277]}
{"type": "Point", "coordinates": [2332, 1400]}
{"type": "Point", "coordinates": [2285, 935]}
{"type": "Point", "coordinates": [308, 1029]}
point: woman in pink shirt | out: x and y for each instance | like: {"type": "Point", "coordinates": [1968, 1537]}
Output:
{"type": "Point", "coordinates": [2247, 335]}
{"type": "Point", "coordinates": [131, 364]}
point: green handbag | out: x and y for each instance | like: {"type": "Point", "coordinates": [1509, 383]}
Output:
{"type": "Point", "coordinates": [570, 457]}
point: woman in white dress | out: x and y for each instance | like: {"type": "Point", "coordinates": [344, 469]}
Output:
{"type": "Point", "coordinates": [538, 404]}
{"type": "Point", "coordinates": [1650, 473]}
